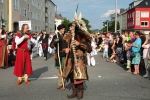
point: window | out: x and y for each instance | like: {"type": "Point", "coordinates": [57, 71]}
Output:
{"type": "Point", "coordinates": [28, 7]}
{"type": "Point", "coordinates": [132, 5]}
{"type": "Point", "coordinates": [39, 6]}
{"type": "Point", "coordinates": [32, 2]}
{"type": "Point", "coordinates": [146, 3]}
{"type": "Point", "coordinates": [145, 14]}
{"type": "Point", "coordinates": [144, 24]}
{"type": "Point", "coordinates": [43, 19]}
{"type": "Point", "coordinates": [43, 9]}
{"type": "Point", "coordinates": [2, 13]}
{"type": "Point", "coordinates": [16, 5]}
{"type": "Point", "coordinates": [35, 28]}
{"type": "Point", "coordinates": [24, 12]}
{"type": "Point", "coordinates": [25, 0]}
{"type": "Point", "coordinates": [1, 1]}
{"type": "Point", "coordinates": [38, 28]}
{"type": "Point", "coordinates": [31, 15]}
{"type": "Point", "coordinates": [132, 14]}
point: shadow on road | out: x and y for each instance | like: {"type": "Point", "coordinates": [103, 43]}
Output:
{"type": "Point", "coordinates": [38, 72]}
{"type": "Point", "coordinates": [49, 56]}
{"type": "Point", "coordinates": [69, 87]}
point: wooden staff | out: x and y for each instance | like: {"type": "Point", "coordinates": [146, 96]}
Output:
{"type": "Point", "coordinates": [60, 64]}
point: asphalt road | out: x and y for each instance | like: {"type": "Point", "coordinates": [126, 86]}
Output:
{"type": "Point", "coordinates": [108, 81]}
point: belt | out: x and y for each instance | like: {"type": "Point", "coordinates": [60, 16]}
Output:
{"type": "Point", "coordinates": [80, 57]}
{"type": "Point", "coordinates": [25, 50]}
{"type": "Point", "coordinates": [44, 45]}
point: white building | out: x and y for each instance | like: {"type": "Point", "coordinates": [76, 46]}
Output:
{"type": "Point", "coordinates": [41, 13]}
{"type": "Point", "coordinates": [58, 21]}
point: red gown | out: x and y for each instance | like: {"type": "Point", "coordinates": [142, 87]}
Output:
{"type": "Point", "coordinates": [3, 53]}
{"type": "Point", "coordinates": [23, 63]}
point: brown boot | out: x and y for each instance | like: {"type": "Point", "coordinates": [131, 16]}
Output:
{"type": "Point", "coordinates": [27, 82]}
{"type": "Point", "coordinates": [80, 91]}
{"type": "Point", "coordinates": [74, 92]}
{"type": "Point", "coordinates": [19, 82]}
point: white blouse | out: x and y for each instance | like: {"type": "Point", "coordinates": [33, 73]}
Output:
{"type": "Point", "coordinates": [18, 40]}
{"type": "Point", "coordinates": [3, 36]}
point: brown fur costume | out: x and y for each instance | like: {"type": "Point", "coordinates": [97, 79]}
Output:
{"type": "Point", "coordinates": [85, 45]}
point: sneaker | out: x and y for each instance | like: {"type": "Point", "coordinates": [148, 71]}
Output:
{"type": "Point", "coordinates": [107, 60]}
{"type": "Point", "coordinates": [45, 58]}
{"type": "Point", "coordinates": [146, 76]}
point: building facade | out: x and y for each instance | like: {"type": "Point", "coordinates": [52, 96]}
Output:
{"type": "Point", "coordinates": [3, 11]}
{"type": "Point", "coordinates": [122, 19]}
{"type": "Point", "coordinates": [58, 21]}
{"type": "Point", "coordinates": [138, 16]}
{"type": "Point", "coordinates": [39, 12]}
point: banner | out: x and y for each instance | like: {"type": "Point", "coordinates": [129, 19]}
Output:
{"type": "Point", "coordinates": [25, 22]}
{"type": "Point", "coordinates": [138, 23]}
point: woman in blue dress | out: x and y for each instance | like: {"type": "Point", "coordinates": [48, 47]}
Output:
{"type": "Point", "coordinates": [136, 53]}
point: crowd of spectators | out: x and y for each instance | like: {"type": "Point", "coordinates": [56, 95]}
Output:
{"type": "Point", "coordinates": [131, 49]}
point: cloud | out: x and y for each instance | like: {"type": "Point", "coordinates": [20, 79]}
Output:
{"type": "Point", "coordinates": [109, 12]}
{"type": "Point", "coordinates": [61, 10]}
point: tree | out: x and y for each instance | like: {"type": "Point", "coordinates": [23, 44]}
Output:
{"type": "Point", "coordinates": [65, 22]}
{"type": "Point", "coordinates": [87, 24]}
{"type": "Point", "coordinates": [111, 26]}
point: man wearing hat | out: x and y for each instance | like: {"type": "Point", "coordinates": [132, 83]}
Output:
{"type": "Point", "coordinates": [44, 41]}
{"type": "Point", "coordinates": [58, 39]}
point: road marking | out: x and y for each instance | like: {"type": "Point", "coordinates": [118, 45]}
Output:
{"type": "Point", "coordinates": [42, 78]}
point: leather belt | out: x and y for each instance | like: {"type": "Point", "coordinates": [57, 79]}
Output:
{"type": "Point", "coordinates": [80, 57]}
{"type": "Point", "coordinates": [25, 50]}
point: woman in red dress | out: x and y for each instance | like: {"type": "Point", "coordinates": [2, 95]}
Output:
{"type": "Point", "coordinates": [23, 66]}
{"type": "Point", "coordinates": [3, 49]}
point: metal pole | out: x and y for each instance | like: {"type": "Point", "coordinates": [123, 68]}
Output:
{"type": "Point", "coordinates": [107, 26]}
{"type": "Point", "coordinates": [1, 22]}
{"type": "Point", "coordinates": [116, 16]}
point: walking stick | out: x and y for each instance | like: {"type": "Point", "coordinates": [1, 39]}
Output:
{"type": "Point", "coordinates": [60, 64]}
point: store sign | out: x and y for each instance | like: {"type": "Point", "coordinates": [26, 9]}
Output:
{"type": "Point", "coordinates": [24, 22]}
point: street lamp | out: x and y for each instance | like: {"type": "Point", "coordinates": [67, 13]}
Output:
{"type": "Point", "coordinates": [116, 16]}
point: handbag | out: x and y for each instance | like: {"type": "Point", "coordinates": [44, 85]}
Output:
{"type": "Point", "coordinates": [148, 66]}
{"type": "Point", "coordinates": [92, 61]}
{"type": "Point", "coordinates": [55, 56]}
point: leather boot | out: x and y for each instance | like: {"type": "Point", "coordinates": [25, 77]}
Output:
{"type": "Point", "coordinates": [80, 91]}
{"type": "Point", "coordinates": [74, 92]}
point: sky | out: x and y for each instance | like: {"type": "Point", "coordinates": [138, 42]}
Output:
{"type": "Point", "coordinates": [96, 11]}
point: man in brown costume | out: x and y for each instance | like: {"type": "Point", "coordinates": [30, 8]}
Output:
{"type": "Point", "coordinates": [75, 64]}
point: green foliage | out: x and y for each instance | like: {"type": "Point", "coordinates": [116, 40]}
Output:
{"type": "Point", "coordinates": [4, 22]}
{"type": "Point", "coordinates": [66, 22]}
{"type": "Point", "coordinates": [87, 24]}
{"type": "Point", "coordinates": [111, 26]}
